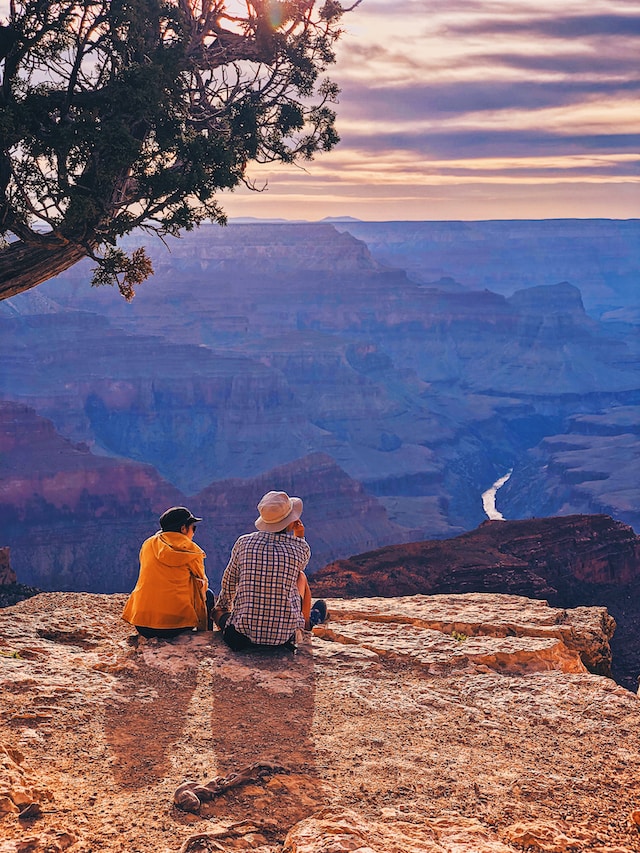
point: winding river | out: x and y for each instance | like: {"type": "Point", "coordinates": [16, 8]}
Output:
{"type": "Point", "coordinates": [489, 498]}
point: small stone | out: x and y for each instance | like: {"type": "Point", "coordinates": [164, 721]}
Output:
{"type": "Point", "coordinates": [31, 812]}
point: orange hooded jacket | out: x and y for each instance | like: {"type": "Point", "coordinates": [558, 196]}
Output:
{"type": "Point", "coordinates": [172, 585]}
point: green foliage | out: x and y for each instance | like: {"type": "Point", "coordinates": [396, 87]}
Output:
{"type": "Point", "coordinates": [116, 267]}
{"type": "Point", "coordinates": [116, 115]}
{"type": "Point", "coordinates": [459, 636]}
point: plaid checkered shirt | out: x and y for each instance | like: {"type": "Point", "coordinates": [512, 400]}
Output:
{"type": "Point", "coordinates": [259, 586]}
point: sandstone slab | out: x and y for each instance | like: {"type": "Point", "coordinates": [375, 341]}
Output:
{"type": "Point", "coordinates": [425, 724]}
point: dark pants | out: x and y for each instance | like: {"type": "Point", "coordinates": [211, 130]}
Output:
{"type": "Point", "coordinates": [239, 642]}
{"type": "Point", "coordinates": [160, 633]}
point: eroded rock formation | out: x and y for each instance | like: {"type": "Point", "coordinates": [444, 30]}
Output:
{"type": "Point", "coordinates": [540, 555]}
{"type": "Point", "coordinates": [572, 560]}
{"type": "Point", "coordinates": [424, 724]}
{"type": "Point", "coordinates": [11, 592]}
{"type": "Point", "coordinates": [7, 575]}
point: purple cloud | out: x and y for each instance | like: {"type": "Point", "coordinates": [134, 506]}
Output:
{"type": "Point", "coordinates": [593, 64]}
{"type": "Point", "coordinates": [568, 27]}
{"type": "Point", "coordinates": [430, 99]}
{"type": "Point", "coordinates": [475, 143]}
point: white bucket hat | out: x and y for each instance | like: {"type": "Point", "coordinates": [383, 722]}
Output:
{"type": "Point", "coordinates": [277, 511]}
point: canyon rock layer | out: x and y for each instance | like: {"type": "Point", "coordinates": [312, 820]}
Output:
{"type": "Point", "coordinates": [259, 345]}
{"type": "Point", "coordinates": [569, 561]}
{"type": "Point", "coordinates": [420, 724]}
{"type": "Point", "coordinates": [76, 520]}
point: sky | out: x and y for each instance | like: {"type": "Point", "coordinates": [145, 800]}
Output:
{"type": "Point", "coordinates": [474, 109]}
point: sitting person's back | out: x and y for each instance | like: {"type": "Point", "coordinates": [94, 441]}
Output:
{"type": "Point", "coordinates": [170, 595]}
{"type": "Point", "coordinates": [264, 586]}
{"type": "Point", "coordinates": [261, 581]}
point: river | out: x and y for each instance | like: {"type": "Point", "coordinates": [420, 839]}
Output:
{"type": "Point", "coordinates": [489, 498]}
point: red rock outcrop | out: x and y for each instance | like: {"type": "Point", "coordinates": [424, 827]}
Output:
{"type": "Point", "coordinates": [539, 555]}
{"type": "Point", "coordinates": [570, 561]}
{"type": "Point", "coordinates": [73, 520]}
{"type": "Point", "coordinates": [39, 466]}
{"type": "Point", "coordinates": [7, 575]}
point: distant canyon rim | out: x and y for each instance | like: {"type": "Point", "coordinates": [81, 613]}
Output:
{"type": "Point", "coordinates": [389, 373]}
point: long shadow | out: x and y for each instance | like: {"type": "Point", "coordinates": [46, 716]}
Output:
{"type": "Point", "coordinates": [145, 717]}
{"type": "Point", "coordinates": [262, 712]}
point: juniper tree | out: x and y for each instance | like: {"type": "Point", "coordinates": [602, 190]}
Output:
{"type": "Point", "coordinates": [124, 114]}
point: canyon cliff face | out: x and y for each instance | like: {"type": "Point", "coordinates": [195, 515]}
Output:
{"type": "Point", "coordinates": [11, 592]}
{"type": "Point", "coordinates": [591, 468]}
{"type": "Point", "coordinates": [75, 521]}
{"type": "Point", "coordinates": [603, 255]}
{"type": "Point", "coordinates": [427, 724]}
{"type": "Point", "coordinates": [7, 575]}
{"type": "Point", "coordinates": [257, 346]}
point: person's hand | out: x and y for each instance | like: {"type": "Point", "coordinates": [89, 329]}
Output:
{"type": "Point", "coordinates": [298, 528]}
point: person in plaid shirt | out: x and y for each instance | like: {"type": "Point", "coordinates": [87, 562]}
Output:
{"type": "Point", "coordinates": [264, 591]}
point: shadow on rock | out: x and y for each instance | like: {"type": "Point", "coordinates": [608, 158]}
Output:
{"type": "Point", "coordinates": [263, 713]}
{"type": "Point", "coordinates": [145, 716]}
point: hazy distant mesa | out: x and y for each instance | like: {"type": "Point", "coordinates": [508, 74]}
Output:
{"type": "Point", "coordinates": [403, 366]}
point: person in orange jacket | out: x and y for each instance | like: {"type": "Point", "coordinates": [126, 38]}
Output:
{"type": "Point", "coordinates": [170, 596]}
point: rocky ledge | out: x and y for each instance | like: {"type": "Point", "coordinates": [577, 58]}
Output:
{"type": "Point", "coordinates": [424, 724]}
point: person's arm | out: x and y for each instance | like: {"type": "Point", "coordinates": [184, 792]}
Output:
{"type": "Point", "coordinates": [297, 528]}
{"type": "Point", "coordinates": [229, 581]}
{"type": "Point", "coordinates": [196, 568]}
{"type": "Point", "coordinates": [305, 596]}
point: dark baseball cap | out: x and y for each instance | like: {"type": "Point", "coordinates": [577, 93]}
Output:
{"type": "Point", "coordinates": [177, 516]}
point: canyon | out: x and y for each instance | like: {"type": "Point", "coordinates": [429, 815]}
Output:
{"type": "Point", "coordinates": [415, 724]}
{"type": "Point", "coordinates": [75, 520]}
{"type": "Point", "coordinates": [264, 345]}
{"type": "Point", "coordinates": [474, 690]}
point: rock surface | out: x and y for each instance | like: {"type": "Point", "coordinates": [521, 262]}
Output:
{"type": "Point", "coordinates": [443, 724]}
{"type": "Point", "coordinates": [572, 560]}
{"type": "Point", "coordinates": [7, 575]}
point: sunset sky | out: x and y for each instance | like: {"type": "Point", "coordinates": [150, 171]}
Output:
{"type": "Point", "coordinates": [475, 109]}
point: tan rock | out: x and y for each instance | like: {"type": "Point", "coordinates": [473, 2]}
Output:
{"type": "Point", "coordinates": [550, 837]}
{"type": "Point", "coordinates": [50, 842]}
{"type": "Point", "coordinates": [17, 785]}
{"type": "Point", "coordinates": [7, 805]}
{"type": "Point", "coordinates": [425, 724]}
{"type": "Point", "coordinates": [345, 831]}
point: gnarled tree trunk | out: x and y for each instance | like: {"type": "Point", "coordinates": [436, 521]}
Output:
{"type": "Point", "coordinates": [36, 263]}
